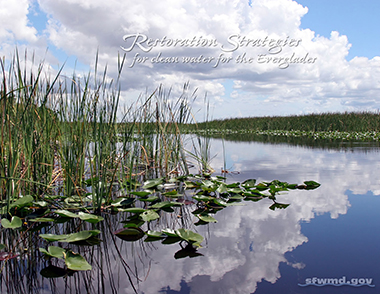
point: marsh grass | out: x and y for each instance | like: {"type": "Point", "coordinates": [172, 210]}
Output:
{"type": "Point", "coordinates": [324, 122]}
{"type": "Point", "coordinates": [63, 133]}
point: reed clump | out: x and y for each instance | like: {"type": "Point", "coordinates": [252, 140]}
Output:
{"type": "Point", "coordinates": [60, 134]}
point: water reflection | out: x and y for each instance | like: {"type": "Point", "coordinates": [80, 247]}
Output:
{"type": "Point", "coordinates": [251, 246]}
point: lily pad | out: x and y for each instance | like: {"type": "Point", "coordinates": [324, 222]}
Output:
{"type": "Point", "coordinates": [137, 210]}
{"type": "Point", "coordinates": [91, 218]}
{"type": "Point", "coordinates": [76, 262]}
{"type": "Point", "coordinates": [66, 213]}
{"type": "Point", "coordinates": [150, 199]}
{"type": "Point", "coordinates": [278, 206]}
{"type": "Point", "coordinates": [15, 223]}
{"type": "Point", "coordinates": [190, 236]}
{"type": "Point", "coordinates": [249, 183]}
{"type": "Point", "coordinates": [169, 233]}
{"type": "Point", "coordinates": [152, 183]}
{"type": "Point", "coordinates": [42, 220]}
{"type": "Point", "coordinates": [141, 193]}
{"type": "Point", "coordinates": [23, 201]}
{"type": "Point", "coordinates": [54, 251]}
{"type": "Point", "coordinates": [83, 235]}
{"type": "Point", "coordinates": [149, 215]}
{"type": "Point", "coordinates": [207, 218]}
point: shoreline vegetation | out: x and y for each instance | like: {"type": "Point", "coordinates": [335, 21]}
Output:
{"type": "Point", "coordinates": [347, 126]}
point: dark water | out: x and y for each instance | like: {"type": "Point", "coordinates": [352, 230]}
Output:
{"type": "Point", "coordinates": [328, 233]}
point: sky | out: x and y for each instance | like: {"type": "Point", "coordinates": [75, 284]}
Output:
{"type": "Point", "coordinates": [247, 58]}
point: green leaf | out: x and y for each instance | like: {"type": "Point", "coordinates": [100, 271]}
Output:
{"type": "Point", "coordinates": [141, 193]}
{"type": "Point", "coordinates": [41, 203]}
{"type": "Point", "coordinates": [190, 236]}
{"type": "Point", "coordinates": [91, 218]}
{"type": "Point", "coordinates": [310, 185]}
{"type": "Point", "coordinates": [76, 262]}
{"type": "Point", "coordinates": [83, 235]}
{"type": "Point", "coordinates": [41, 220]}
{"type": "Point", "coordinates": [66, 213]}
{"type": "Point", "coordinates": [207, 218]}
{"type": "Point", "coordinates": [203, 198]}
{"type": "Point", "coordinates": [23, 201]}
{"type": "Point", "coordinates": [137, 210]}
{"type": "Point", "coordinates": [190, 185]}
{"type": "Point", "coordinates": [249, 183]}
{"type": "Point", "coordinates": [169, 233]}
{"type": "Point", "coordinates": [2, 246]}
{"type": "Point", "coordinates": [278, 206]}
{"type": "Point", "coordinates": [150, 199]}
{"type": "Point", "coordinates": [123, 202]}
{"type": "Point", "coordinates": [54, 251]}
{"type": "Point", "coordinates": [152, 183]}
{"type": "Point", "coordinates": [15, 223]}
{"type": "Point", "coordinates": [233, 185]}
{"type": "Point", "coordinates": [155, 234]}
{"type": "Point", "coordinates": [222, 188]}
{"type": "Point", "coordinates": [173, 194]}
{"type": "Point", "coordinates": [149, 215]}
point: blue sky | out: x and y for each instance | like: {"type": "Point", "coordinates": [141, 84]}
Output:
{"type": "Point", "coordinates": [339, 39]}
{"type": "Point", "coordinates": [358, 20]}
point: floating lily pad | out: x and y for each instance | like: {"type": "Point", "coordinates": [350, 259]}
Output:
{"type": "Point", "coordinates": [123, 201]}
{"type": "Point", "coordinates": [54, 251]}
{"type": "Point", "coordinates": [141, 193]}
{"type": "Point", "coordinates": [190, 236]}
{"type": "Point", "coordinates": [150, 199]}
{"type": "Point", "coordinates": [169, 233]}
{"type": "Point", "coordinates": [42, 220]}
{"type": "Point", "coordinates": [249, 183]}
{"type": "Point", "coordinates": [278, 206]}
{"type": "Point", "coordinates": [154, 236]}
{"type": "Point", "coordinates": [137, 210]}
{"type": "Point", "coordinates": [76, 262]}
{"type": "Point", "coordinates": [173, 194]}
{"type": "Point", "coordinates": [66, 213]}
{"type": "Point", "coordinates": [310, 185]}
{"type": "Point", "coordinates": [149, 215]}
{"type": "Point", "coordinates": [152, 183]}
{"type": "Point", "coordinates": [91, 218]}
{"type": "Point", "coordinates": [83, 235]}
{"type": "Point", "coordinates": [23, 201]}
{"type": "Point", "coordinates": [207, 218]}
{"type": "Point", "coordinates": [15, 223]}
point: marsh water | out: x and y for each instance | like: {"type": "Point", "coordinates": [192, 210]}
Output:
{"type": "Point", "coordinates": [332, 232]}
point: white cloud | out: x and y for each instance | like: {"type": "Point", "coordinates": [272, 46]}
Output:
{"type": "Point", "coordinates": [329, 82]}
{"type": "Point", "coordinates": [14, 21]}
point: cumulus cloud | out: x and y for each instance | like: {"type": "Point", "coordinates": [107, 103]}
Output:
{"type": "Point", "coordinates": [312, 75]}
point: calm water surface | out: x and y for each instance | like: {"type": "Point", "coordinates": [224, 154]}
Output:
{"type": "Point", "coordinates": [332, 232]}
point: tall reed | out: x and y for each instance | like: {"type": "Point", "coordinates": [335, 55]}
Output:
{"type": "Point", "coordinates": [63, 134]}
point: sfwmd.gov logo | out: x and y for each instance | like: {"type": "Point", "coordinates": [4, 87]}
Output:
{"type": "Point", "coordinates": [355, 282]}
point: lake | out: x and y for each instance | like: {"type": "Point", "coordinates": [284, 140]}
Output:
{"type": "Point", "coordinates": [326, 241]}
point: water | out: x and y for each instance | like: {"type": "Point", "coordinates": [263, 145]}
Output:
{"type": "Point", "coordinates": [328, 233]}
